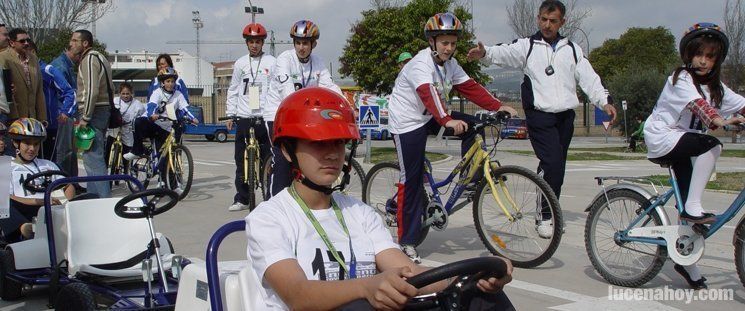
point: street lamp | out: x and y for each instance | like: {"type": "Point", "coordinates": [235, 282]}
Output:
{"type": "Point", "coordinates": [253, 10]}
{"type": "Point", "coordinates": [94, 3]}
{"type": "Point", "coordinates": [198, 24]}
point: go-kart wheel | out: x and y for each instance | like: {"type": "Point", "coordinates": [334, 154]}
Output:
{"type": "Point", "coordinates": [75, 297]}
{"type": "Point", "coordinates": [154, 203]}
{"type": "Point", "coordinates": [32, 186]}
{"type": "Point", "coordinates": [468, 271]}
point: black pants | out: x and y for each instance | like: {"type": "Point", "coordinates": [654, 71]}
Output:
{"type": "Point", "coordinates": [47, 146]}
{"type": "Point", "coordinates": [144, 128]}
{"type": "Point", "coordinates": [241, 135]}
{"type": "Point", "coordinates": [690, 145]}
{"type": "Point", "coordinates": [411, 147]}
{"type": "Point", "coordinates": [550, 136]}
{"type": "Point", "coordinates": [480, 301]}
{"type": "Point", "coordinates": [281, 168]}
{"type": "Point", "coordinates": [19, 215]}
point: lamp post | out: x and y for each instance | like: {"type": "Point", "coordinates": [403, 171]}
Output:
{"type": "Point", "coordinates": [94, 4]}
{"type": "Point", "coordinates": [198, 24]}
{"type": "Point", "coordinates": [253, 10]}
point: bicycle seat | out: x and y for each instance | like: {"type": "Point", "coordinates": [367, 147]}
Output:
{"type": "Point", "coordinates": [663, 162]}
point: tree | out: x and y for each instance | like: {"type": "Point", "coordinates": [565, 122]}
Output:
{"type": "Point", "coordinates": [522, 17]}
{"type": "Point", "coordinates": [639, 86]}
{"type": "Point", "coordinates": [384, 32]}
{"type": "Point", "coordinates": [41, 18]}
{"type": "Point", "coordinates": [645, 47]}
{"type": "Point", "coordinates": [734, 27]}
{"type": "Point", "coordinates": [59, 41]}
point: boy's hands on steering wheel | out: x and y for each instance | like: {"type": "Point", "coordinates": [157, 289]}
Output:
{"type": "Point", "coordinates": [494, 285]}
{"type": "Point", "coordinates": [389, 290]}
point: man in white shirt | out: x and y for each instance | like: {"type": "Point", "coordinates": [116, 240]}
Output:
{"type": "Point", "coordinates": [295, 69]}
{"type": "Point", "coordinates": [553, 66]}
{"type": "Point", "coordinates": [246, 96]}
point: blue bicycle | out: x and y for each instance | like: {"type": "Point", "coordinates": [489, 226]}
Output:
{"type": "Point", "coordinates": [628, 236]}
{"type": "Point", "coordinates": [515, 212]}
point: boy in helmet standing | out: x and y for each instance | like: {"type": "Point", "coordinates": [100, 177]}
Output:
{"type": "Point", "coordinates": [418, 108]}
{"type": "Point", "coordinates": [246, 95]}
{"type": "Point", "coordinates": [294, 70]}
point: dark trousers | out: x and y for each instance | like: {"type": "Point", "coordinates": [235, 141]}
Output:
{"type": "Point", "coordinates": [19, 214]}
{"type": "Point", "coordinates": [144, 128]}
{"type": "Point", "coordinates": [281, 168]}
{"type": "Point", "coordinates": [690, 145]}
{"type": "Point", "coordinates": [241, 137]}
{"type": "Point", "coordinates": [47, 146]}
{"type": "Point", "coordinates": [479, 301]}
{"type": "Point", "coordinates": [550, 136]}
{"type": "Point", "coordinates": [411, 194]}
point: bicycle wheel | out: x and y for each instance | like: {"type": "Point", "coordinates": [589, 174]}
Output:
{"type": "Point", "coordinates": [140, 170]}
{"type": "Point", "coordinates": [356, 180]}
{"type": "Point", "coordinates": [266, 173]}
{"type": "Point", "coordinates": [379, 191]}
{"type": "Point", "coordinates": [180, 173]}
{"type": "Point", "coordinates": [740, 251]}
{"type": "Point", "coordinates": [530, 200]}
{"type": "Point", "coordinates": [628, 264]}
{"type": "Point", "coordinates": [251, 180]}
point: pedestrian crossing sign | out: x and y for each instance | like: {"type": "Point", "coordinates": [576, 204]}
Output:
{"type": "Point", "coordinates": [369, 117]}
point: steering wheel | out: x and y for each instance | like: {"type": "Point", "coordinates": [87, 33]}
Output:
{"type": "Point", "coordinates": [154, 203]}
{"type": "Point", "coordinates": [455, 296]}
{"type": "Point", "coordinates": [31, 186]}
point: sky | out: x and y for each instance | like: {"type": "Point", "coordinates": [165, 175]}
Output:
{"type": "Point", "coordinates": [138, 25]}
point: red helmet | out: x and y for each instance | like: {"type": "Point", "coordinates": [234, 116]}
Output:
{"type": "Point", "coordinates": [315, 114]}
{"type": "Point", "coordinates": [254, 30]}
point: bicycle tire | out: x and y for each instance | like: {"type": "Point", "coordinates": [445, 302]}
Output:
{"type": "Point", "coordinates": [251, 180]}
{"type": "Point", "coordinates": [266, 173]}
{"type": "Point", "coordinates": [356, 180]}
{"type": "Point", "coordinates": [525, 248]}
{"type": "Point", "coordinates": [647, 266]}
{"type": "Point", "coordinates": [176, 179]}
{"type": "Point", "coordinates": [385, 197]}
{"type": "Point", "coordinates": [139, 169]}
{"type": "Point", "coordinates": [740, 251]}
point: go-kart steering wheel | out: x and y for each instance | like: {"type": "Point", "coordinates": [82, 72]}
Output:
{"type": "Point", "coordinates": [468, 271]}
{"type": "Point", "coordinates": [29, 185]}
{"type": "Point", "coordinates": [155, 203]}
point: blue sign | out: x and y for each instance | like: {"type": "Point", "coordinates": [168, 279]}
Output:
{"type": "Point", "coordinates": [369, 117]}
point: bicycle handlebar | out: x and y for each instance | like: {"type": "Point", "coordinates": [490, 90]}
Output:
{"type": "Point", "coordinates": [734, 127]}
{"type": "Point", "coordinates": [236, 118]}
{"type": "Point", "coordinates": [500, 117]}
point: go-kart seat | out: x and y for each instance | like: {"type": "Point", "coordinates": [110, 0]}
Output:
{"type": "Point", "coordinates": [104, 244]}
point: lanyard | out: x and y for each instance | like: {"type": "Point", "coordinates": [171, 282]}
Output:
{"type": "Point", "coordinates": [251, 69]}
{"type": "Point", "coordinates": [352, 269]}
{"type": "Point", "coordinates": [445, 87]}
{"type": "Point", "coordinates": [302, 74]}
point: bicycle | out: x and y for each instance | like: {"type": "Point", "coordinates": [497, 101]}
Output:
{"type": "Point", "coordinates": [173, 156]}
{"type": "Point", "coordinates": [354, 188]}
{"type": "Point", "coordinates": [638, 235]}
{"type": "Point", "coordinates": [251, 169]}
{"type": "Point", "coordinates": [508, 201]}
{"type": "Point", "coordinates": [116, 160]}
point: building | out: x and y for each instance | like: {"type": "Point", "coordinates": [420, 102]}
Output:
{"type": "Point", "coordinates": [139, 69]}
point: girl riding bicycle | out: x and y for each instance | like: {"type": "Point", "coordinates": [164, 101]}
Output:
{"type": "Point", "coordinates": [693, 100]}
{"type": "Point", "coordinates": [314, 247]}
{"type": "Point", "coordinates": [131, 108]}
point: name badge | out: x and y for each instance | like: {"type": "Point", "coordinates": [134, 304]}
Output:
{"type": "Point", "coordinates": [253, 96]}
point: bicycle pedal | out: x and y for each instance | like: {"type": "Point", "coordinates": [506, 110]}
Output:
{"type": "Point", "coordinates": [700, 229]}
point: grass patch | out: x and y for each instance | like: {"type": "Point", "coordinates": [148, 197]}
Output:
{"type": "Point", "coordinates": [585, 156]}
{"type": "Point", "coordinates": [733, 153]}
{"type": "Point", "coordinates": [388, 154]}
{"type": "Point", "coordinates": [732, 181]}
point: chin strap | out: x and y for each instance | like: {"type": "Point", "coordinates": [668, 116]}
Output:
{"type": "Point", "coordinates": [324, 189]}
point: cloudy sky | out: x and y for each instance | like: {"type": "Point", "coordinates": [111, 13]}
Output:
{"type": "Point", "coordinates": [148, 24]}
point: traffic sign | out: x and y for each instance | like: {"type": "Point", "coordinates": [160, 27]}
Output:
{"type": "Point", "coordinates": [624, 105]}
{"type": "Point", "coordinates": [606, 124]}
{"type": "Point", "coordinates": [369, 117]}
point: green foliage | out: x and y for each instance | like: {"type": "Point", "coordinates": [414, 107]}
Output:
{"type": "Point", "coordinates": [370, 52]}
{"type": "Point", "coordinates": [57, 43]}
{"type": "Point", "coordinates": [639, 86]}
{"type": "Point", "coordinates": [652, 48]}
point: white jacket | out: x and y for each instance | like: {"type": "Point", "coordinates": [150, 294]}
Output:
{"type": "Point", "coordinates": [290, 75]}
{"type": "Point", "coordinates": [248, 71]}
{"type": "Point", "coordinates": [549, 93]}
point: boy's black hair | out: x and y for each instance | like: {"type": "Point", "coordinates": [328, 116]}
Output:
{"type": "Point", "coordinates": [13, 34]}
{"type": "Point", "coordinates": [85, 36]}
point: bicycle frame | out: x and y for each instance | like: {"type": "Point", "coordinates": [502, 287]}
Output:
{"type": "Point", "coordinates": [251, 143]}
{"type": "Point", "coordinates": [117, 144]}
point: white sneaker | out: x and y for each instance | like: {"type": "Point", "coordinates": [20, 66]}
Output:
{"type": "Point", "coordinates": [238, 206]}
{"type": "Point", "coordinates": [130, 156]}
{"type": "Point", "coordinates": [545, 229]}
{"type": "Point", "coordinates": [410, 251]}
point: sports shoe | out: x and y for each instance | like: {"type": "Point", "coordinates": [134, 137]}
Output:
{"type": "Point", "coordinates": [696, 285]}
{"type": "Point", "coordinates": [410, 251]}
{"type": "Point", "coordinates": [238, 206]}
{"type": "Point", "coordinates": [130, 156]}
{"type": "Point", "coordinates": [705, 218]}
{"type": "Point", "coordinates": [545, 229]}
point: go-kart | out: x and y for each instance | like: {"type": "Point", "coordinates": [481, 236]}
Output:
{"type": "Point", "coordinates": [233, 285]}
{"type": "Point", "coordinates": [95, 253]}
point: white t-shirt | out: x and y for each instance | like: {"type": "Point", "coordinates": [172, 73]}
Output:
{"type": "Point", "coordinates": [160, 99]}
{"type": "Point", "coordinates": [406, 111]}
{"type": "Point", "coordinates": [671, 118]}
{"type": "Point", "coordinates": [19, 172]}
{"type": "Point", "coordinates": [249, 72]}
{"type": "Point", "coordinates": [290, 75]}
{"type": "Point", "coordinates": [278, 229]}
{"type": "Point", "coordinates": [130, 111]}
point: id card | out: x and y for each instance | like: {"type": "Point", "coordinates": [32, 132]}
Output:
{"type": "Point", "coordinates": [253, 97]}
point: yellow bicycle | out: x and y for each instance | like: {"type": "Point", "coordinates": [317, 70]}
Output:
{"type": "Point", "coordinates": [515, 212]}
